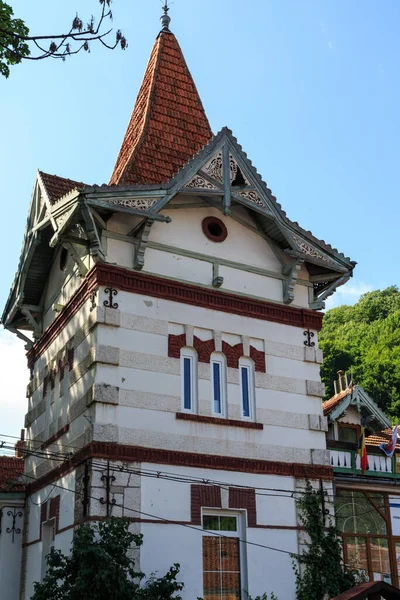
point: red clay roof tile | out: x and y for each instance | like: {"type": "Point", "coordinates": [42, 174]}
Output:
{"type": "Point", "coordinates": [384, 437]}
{"type": "Point", "coordinates": [168, 125]}
{"type": "Point", "coordinates": [329, 405]}
{"type": "Point", "coordinates": [11, 469]}
{"type": "Point", "coordinates": [58, 187]}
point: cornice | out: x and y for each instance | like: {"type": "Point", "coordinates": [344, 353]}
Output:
{"type": "Point", "coordinates": [119, 452]}
{"type": "Point", "coordinates": [136, 282]}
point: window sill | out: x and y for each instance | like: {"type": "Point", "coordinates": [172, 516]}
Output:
{"type": "Point", "coordinates": [218, 421]}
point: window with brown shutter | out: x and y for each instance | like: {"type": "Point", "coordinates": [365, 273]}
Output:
{"type": "Point", "coordinates": [222, 577]}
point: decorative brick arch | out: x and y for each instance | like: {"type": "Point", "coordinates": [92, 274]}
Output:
{"type": "Point", "coordinates": [258, 356]}
{"type": "Point", "coordinates": [205, 348]}
{"type": "Point", "coordinates": [175, 345]}
{"type": "Point", "coordinates": [203, 495]}
{"type": "Point", "coordinates": [232, 353]}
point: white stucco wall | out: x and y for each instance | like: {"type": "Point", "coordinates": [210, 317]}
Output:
{"type": "Point", "coordinates": [255, 257]}
{"type": "Point", "coordinates": [65, 488]}
{"type": "Point", "coordinates": [268, 570]}
{"type": "Point", "coordinates": [10, 546]}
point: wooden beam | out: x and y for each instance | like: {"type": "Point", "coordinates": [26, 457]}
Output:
{"type": "Point", "coordinates": [227, 178]}
{"type": "Point", "coordinates": [28, 343]}
{"type": "Point", "coordinates": [99, 219]}
{"type": "Point", "coordinates": [291, 272]}
{"type": "Point", "coordinates": [319, 298]}
{"type": "Point", "coordinates": [140, 249]}
{"type": "Point", "coordinates": [79, 262]}
{"type": "Point", "coordinates": [37, 329]}
{"type": "Point", "coordinates": [128, 210]}
{"type": "Point", "coordinates": [96, 249]}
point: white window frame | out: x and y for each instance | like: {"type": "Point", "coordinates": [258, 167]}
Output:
{"type": "Point", "coordinates": [247, 363]}
{"type": "Point", "coordinates": [48, 542]}
{"type": "Point", "coordinates": [64, 397]}
{"type": "Point", "coordinates": [191, 354]}
{"type": "Point", "coordinates": [219, 359]}
{"type": "Point", "coordinates": [239, 533]}
{"type": "Point", "coordinates": [49, 412]}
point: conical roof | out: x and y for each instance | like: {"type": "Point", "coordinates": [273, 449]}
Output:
{"type": "Point", "coordinates": [168, 125]}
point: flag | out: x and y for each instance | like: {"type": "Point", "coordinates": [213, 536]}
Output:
{"type": "Point", "coordinates": [362, 448]}
{"type": "Point", "coordinates": [390, 447]}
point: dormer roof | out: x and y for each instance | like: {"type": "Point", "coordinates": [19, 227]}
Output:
{"type": "Point", "coordinates": [355, 395]}
{"type": "Point", "coordinates": [168, 125]}
{"type": "Point", "coordinates": [57, 187]}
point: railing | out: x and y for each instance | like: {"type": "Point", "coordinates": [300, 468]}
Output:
{"type": "Point", "coordinates": [348, 461]}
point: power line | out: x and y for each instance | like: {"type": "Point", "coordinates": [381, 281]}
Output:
{"type": "Point", "coordinates": [168, 521]}
{"type": "Point", "coordinates": [277, 492]}
{"type": "Point", "coordinates": [99, 467]}
{"type": "Point", "coordinates": [283, 493]}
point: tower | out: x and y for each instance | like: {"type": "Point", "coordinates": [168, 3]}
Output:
{"type": "Point", "coordinates": [175, 368]}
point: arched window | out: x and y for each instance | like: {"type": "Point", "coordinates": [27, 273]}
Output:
{"type": "Point", "coordinates": [189, 380]}
{"type": "Point", "coordinates": [218, 385]}
{"type": "Point", "coordinates": [247, 388]}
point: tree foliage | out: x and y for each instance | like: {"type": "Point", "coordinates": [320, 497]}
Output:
{"type": "Point", "coordinates": [101, 567]}
{"type": "Point", "coordinates": [16, 43]}
{"type": "Point", "coordinates": [365, 339]}
{"type": "Point", "coordinates": [319, 570]}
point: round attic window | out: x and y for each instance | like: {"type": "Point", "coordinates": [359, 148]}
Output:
{"type": "Point", "coordinates": [214, 229]}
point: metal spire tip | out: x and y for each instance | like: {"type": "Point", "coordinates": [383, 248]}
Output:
{"type": "Point", "coordinates": [165, 19]}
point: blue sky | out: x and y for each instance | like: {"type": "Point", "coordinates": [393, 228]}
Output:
{"type": "Point", "coordinates": [310, 89]}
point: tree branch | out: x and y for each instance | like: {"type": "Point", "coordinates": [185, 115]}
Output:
{"type": "Point", "coordinates": [15, 37]}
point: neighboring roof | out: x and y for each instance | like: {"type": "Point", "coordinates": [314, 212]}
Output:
{"type": "Point", "coordinates": [168, 125]}
{"type": "Point", "coordinates": [384, 437]}
{"type": "Point", "coordinates": [355, 395]}
{"type": "Point", "coordinates": [58, 187]}
{"type": "Point", "coordinates": [371, 589]}
{"type": "Point", "coordinates": [329, 405]}
{"type": "Point", "coordinates": [11, 469]}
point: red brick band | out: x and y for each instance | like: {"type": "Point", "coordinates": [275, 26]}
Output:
{"type": "Point", "coordinates": [158, 287]}
{"type": "Point", "coordinates": [118, 452]}
{"type": "Point", "coordinates": [204, 350]}
{"type": "Point", "coordinates": [55, 437]}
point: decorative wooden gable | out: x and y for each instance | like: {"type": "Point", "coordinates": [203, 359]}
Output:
{"type": "Point", "coordinates": [357, 397]}
{"type": "Point", "coordinates": [210, 179]}
{"type": "Point", "coordinates": [222, 175]}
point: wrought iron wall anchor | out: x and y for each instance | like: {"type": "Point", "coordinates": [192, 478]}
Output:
{"type": "Point", "coordinates": [92, 299]}
{"type": "Point", "coordinates": [109, 502]}
{"type": "Point", "coordinates": [109, 303]}
{"type": "Point", "coordinates": [308, 342]}
{"type": "Point", "coordinates": [86, 480]}
{"type": "Point", "coordinates": [14, 514]}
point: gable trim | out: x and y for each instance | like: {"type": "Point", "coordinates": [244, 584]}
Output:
{"type": "Point", "coordinates": [359, 397]}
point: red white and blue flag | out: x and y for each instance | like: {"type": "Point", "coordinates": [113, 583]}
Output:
{"type": "Point", "coordinates": [362, 448]}
{"type": "Point", "coordinates": [390, 447]}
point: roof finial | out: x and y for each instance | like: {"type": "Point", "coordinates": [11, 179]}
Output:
{"type": "Point", "coordinates": [165, 19]}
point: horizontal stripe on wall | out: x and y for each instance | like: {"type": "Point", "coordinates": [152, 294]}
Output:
{"type": "Point", "coordinates": [158, 287]}
{"type": "Point", "coordinates": [119, 452]}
